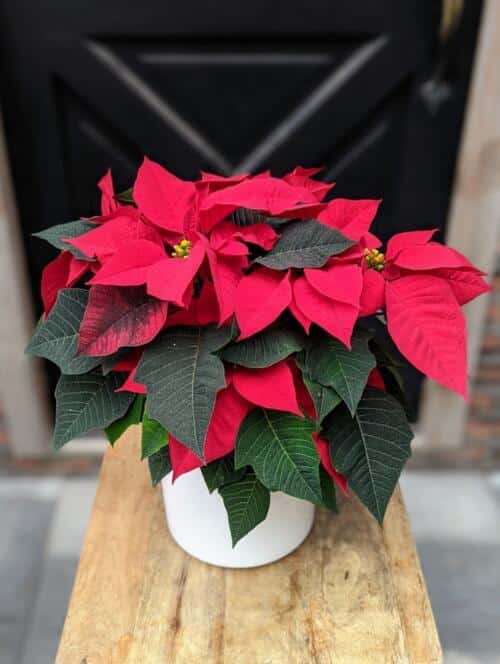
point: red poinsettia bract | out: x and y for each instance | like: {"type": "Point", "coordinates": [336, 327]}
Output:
{"type": "Point", "coordinates": [237, 308]}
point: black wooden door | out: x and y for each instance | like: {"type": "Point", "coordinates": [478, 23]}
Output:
{"type": "Point", "coordinates": [225, 86]}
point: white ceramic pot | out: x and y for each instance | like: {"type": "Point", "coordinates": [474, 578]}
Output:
{"type": "Point", "coordinates": [198, 523]}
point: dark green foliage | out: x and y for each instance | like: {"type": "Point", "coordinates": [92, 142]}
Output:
{"type": "Point", "coordinates": [220, 472]}
{"type": "Point", "coordinates": [331, 364]}
{"type": "Point", "coordinates": [182, 375]}
{"type": "Point", "coordinates": [325, 398]}
{"type": "Point", "coordinates": [371, 448]}
{"type": "Point", "coordinates": [56, 234]}
{"type": "Point", "coordinates": [153, 438]}
{"type": "Point", "coordinates": [85, 403]}
{"type": "Point", "coordinates": [278, 446]}
{"type": "Point", "coordinates": [247, 217]}
{"type": "Point", "coordinates": [159, 465]}
{"type": "Point", "coordinates": [56, 338]}
{"type": "Point", "coordinates": [133, 416]}
{"type": "Point", "coordinates": [246, 503]}
{"type": "Point", "coordinates": [265, 348]}
{"type": "Point", "coordinates": [328, 496]}
{"type": "Point", "coordinates": [305, 244]}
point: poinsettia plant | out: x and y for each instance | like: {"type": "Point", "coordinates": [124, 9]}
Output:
{"type": "Point", "coordinates": [239, 319]}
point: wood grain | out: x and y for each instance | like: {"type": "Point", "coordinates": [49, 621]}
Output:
{"type": "Point", "coordinates": [352, 594]}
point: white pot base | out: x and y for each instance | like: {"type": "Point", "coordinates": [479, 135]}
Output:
{"type": "Point", "coordinates": [198, 523]}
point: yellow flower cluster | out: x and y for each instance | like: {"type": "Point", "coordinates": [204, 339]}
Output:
{"type": "Point", "coordinates": [182, 249]}
{"type": "Point", "coordinates": [375, 259]}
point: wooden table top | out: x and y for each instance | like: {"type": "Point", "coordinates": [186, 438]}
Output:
{"type": "Point", "coordinates": [352, 593]}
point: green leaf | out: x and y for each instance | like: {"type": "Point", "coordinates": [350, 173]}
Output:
{"type": "Point", "coordinates": [220, 472]}
{"type": "Point", "coordinates": [329, 499]}
{"type": "Point", "coordinates": [159, 465]}
{"type": "Point", "coordinates": [108, 362]}
{"type": "Point", "coordinates": [330, 363]}
{"type": "Point", "coordinates": [305, 244]}
{"type": "Point", "coordinates": [88, 402]}
{"type": "Point", "coordinates": [325, 398]}
{"type": "Point", "coordinates": [371, 448]}
{"type": "Point", "coordinates": [182, 376]}
{"type": "Point", "coordinates": [394, 385]}
{"type": "Point", "coordinates": [133, 416]}
{"type": "Point", "coordinates": [248, 217]}
{"type": "Point", "coordinates": [153, 438]}
{"type": "Point", "coordinates": [56, 338]}
{"type": "Point", "coordinates": [264, 349]}
{"type": "Point", "coordinates": [279, 448]}
{"type": "Point", "coordinates": [396, 376]}
{"type": "Point", "coordinates": [56, 234]}
{"type": "Point", "coordinates": [125, 196]}
{"type": "Point", "coordinates": [383, 355]}
{"type": "Point", "coordinates": [389, 366]}
{"type": "Point", "coordinates": [247, 503]}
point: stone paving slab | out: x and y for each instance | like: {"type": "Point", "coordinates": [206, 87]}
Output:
{"type": "Point", "coordinates": [49, 611]}
{"type": "Point", "coordinates": [494, 485]}
{"type": "Point", "coordinates": [455, 518]}
{"type": "Point", "coordinates": [25, 522]}
{"type": "Point", "coordinates": [463, 580]}
{"type": "Point", "coordinates": [64, 544]}
{"type": "Point", "coordinates": [452, 506]}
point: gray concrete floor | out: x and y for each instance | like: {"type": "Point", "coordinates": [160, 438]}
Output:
{"type": "Point", "coordinates": [455, 519]}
